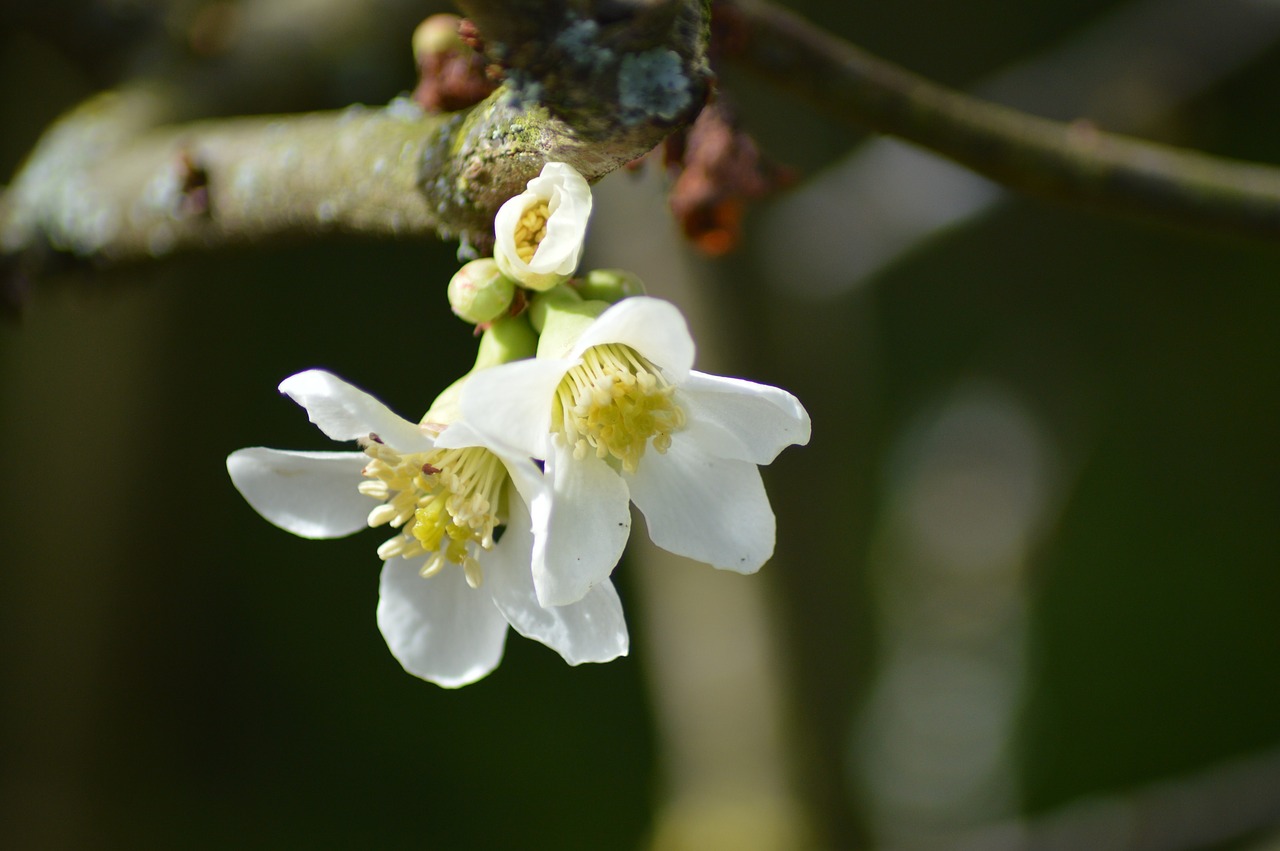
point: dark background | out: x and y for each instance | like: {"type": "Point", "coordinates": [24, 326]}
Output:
{"type": "Point", "coordinates": [178, 673]}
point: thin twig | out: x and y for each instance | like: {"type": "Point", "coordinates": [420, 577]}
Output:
{"type": "Point", "coordinates": [1222, 803]}
{"type": "Point", "coordinates": [1070, 162]}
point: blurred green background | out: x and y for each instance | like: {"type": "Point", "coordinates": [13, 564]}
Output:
{"type": "Point", "coordinates": [1045, 453]}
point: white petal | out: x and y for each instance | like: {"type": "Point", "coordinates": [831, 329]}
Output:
{"type": "Point", "coordinates": [312, 494]}
{"type": "Point", "coordinates": [440, 629]}
{"type": "Point", "coordinates": [530, 483]}
{"type": "Point", "coordinates": [511, 404]}
{"type": "Point", "coordinates": [345, 412]}
{"type": "Point", "coordinates": [459, 435]}
{"type": "Point", "coordinates": [653, 327]}
{"type": "Point", "coordinates": [504, 227]}
{"type": "Point", "coordinates": [569, 201]}
{"type": "Point", "coordinates": [580, 529]}
{"type": "Point", "coordinates": [706, 508]}
{"type": "Point", "coordinates": [739, 419]}
{"type": "Point", "coordinates": [591, 630]}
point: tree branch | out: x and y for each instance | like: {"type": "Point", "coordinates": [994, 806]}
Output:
{"type": "Point", "coordinates": [105, 184]}
{"type": "Point", "coordinates": [1074, 163]}
{"type": "Point", "coordinates": [594, 84]}
{"type": "Point", "coordinates": [110, 181]}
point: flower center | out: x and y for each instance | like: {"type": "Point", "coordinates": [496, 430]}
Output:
{"type": "Point", "coordinates": [445, 502]}
{"type": "Point", "coordinates": [614, 401]}
{"type": "Point", "coordinates": [531, 230]}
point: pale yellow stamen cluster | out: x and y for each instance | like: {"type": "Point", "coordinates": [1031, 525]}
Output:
{"type": "Point", "coordinates": [614, 402]}
{"type": "Point", "coordinates": [445, 502]}
{"type": "Point", "coordinates": [531, 230]}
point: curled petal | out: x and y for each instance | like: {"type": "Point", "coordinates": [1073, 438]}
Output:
{"type": "Point", "coordinates": [706, 508]}
{"type": "Point", "coordinates": [311, 494]}
{"type": "Point", "coordinates": [739, 419]}
{"type": "Point", "coordinates": [590, 630]}
{"type": "Point", "coordinates": [440, 629]}
{"type": "Point", "coordinates": [345, 412]}
{"type": "Point", "coordinates": [568, 200]}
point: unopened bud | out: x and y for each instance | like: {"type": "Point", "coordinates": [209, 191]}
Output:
{"type": "Point", "coordinates": [479, 293]}
{"type": "Point", "coordinates": [436, 35]}
{"type": "Point", "coordinates": [539, 233]}
{"type": "Point", "coordinates": [611, 285]}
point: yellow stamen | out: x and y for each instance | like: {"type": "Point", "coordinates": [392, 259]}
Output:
{"type": "Point", "coordinates": [531, 230]}
{"type": "Point", "coordinates": [613, 403]}
{"type": "Point", "coordinates": [445, 502]}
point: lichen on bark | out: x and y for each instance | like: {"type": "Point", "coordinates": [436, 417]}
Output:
{"type": "Point", "coordinates": [133, 187]}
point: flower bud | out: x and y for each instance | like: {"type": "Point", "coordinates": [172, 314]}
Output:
{"type": "Point", "coordinates": [541, 302]}
{"type": "Point", "coordinates": [507, 339]}
{"type": "Point", "coordinates": [611, 285]}
{"type": "Point", "coordinates": [479, 292]}
{"type": "Point", "coordinates": [436, 35]}
{"type": "Point", "coordinates": [539, 233]}
{"type": "Point", "coordinates": [561, 316]}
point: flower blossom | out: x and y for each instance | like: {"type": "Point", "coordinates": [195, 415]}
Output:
{"type": "Point", "coordinates": [457, 570]}
{"type": "Point", "coordinates": [539, 233]}
{"type": "Point", "coordinates": [619, 415]}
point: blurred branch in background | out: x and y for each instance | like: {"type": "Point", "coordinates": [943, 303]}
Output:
{"type": "Point", "coordinates": [1127, 72]}
{"type": "Point", "coordinates": [65, 605]}
{"type": "Point", "coordinates": [712, 650]}
{"type": "Point", "coordinates": [1073, 163]}
{"type": "Point", "coordinates": [1226, 803]}
{"type": "Point", "coordinates": [974, 486]}
{"type": "Point", "coordinates": [234, 58]}
{"type": "Point", "coordinates": [592, 91]}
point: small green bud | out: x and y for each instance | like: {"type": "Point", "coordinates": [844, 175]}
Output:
{"type": "Point", "coordinates": [540, 303]}
{"type": "Point", "coordinates": [438, 34]}
{"type": "Point", "coordinates": [479, 293]}
{"type": "Point", "coordinates": [564, 316]}
{"type": "Point", "coordinates": [507, 339]}
{"type": "Point", "coordinates": [611, 285]}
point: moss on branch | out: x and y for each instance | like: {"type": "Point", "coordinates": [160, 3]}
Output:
{"type": "Point", "coordinates": [112, 181]}
{"type": "Point", "coordinates": [595, 85]}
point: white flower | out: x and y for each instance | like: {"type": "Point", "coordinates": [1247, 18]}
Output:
{"type": "Point", "coordinates": [458, 570]}
{"type": "Point", "coordinates": [594, 412]}
{"type": "Point", "coordinates": [540, 231]}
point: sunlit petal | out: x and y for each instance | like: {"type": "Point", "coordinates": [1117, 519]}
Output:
{"type": "Point", "coordinates": [344, 412]}
{"type": "Point", "coordinates": [706, 508]}
{"type": "Point", "coordinates": [440, 629]}
{"type": "Point", "coordinates": [653, 327]}
{"type": "Point", "coordinates": [311, 494]}
{"type": "Point", "coordinates": [740, 419]}
{"type": "Point", "coordinates": [581, 529]}
{"type": "Point", "coordinates": [539, 233]}
{"type": "Point", "coordinates": [511, 403]}
{"type": "Point", "coordinates": [591, 630]}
